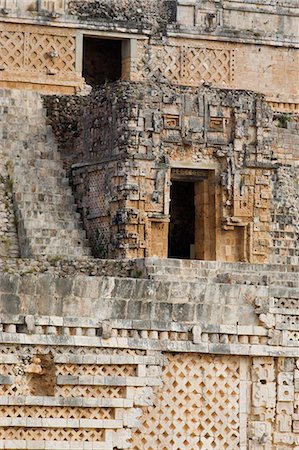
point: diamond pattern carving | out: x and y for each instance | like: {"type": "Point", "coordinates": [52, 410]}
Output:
{"type": "Point", "coordinates": [52, 434]}
{"type": "Point", "coordinates": [37, 49]}
{"type": "Point", "coordinates": [12, 44]}
{"type": "Point", "coordinates": [211, 65]}
{"type": "Point", "coordinates": [197, 407]}
{"type": "Point", "coordinates": [49, 412]}
{"type": "Point", "coordinates": [90, 391]}
{"type": "Point", "coordinates": [16, 349]}
{"type": "Point", "coordinates": [187, 65]}
{"type": "Point", "coordinates": [95, 370]}
{"type": "Point", "coordinates": [41, 45]}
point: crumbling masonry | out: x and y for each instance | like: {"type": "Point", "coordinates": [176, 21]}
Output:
{"type": "Point", "coordinates": [149, 225]}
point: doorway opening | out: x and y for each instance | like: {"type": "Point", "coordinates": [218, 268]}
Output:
{"type": "Point", "coordinates": [192, 231]}
{"type": "Point", "coordinates": [102, 60]}
{"type": "Point", "coordinates": [182, 223]}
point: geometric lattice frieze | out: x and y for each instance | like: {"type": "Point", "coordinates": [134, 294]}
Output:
{"type": "Point", "coordinates": [37, 50]}
{"type": "Point", "coordinates": [90, 391]}
{"type": "Point", "coordinates": [93, 369]}
{"type": "Point", "coordinates": [197, 408]}
{"type": "Point", "coordinates": [57, 412]}
{"type": "Point", "coordinates": [207, 64]}
{"type": "Point", "coordinates": [12, 45]}
{"type": "Point", "coordinates": [54, 434]}
{"type": "Point", "coordinates": [187, 65]}
{"type": "Point", "coordinates": [7, 369]}
{"type": "Point", "coordinates": [26, 349]}
{"type": "Point", "coordinates": [291, 303]}
{"type": "Point", "coordinates": [18, 389]}
{"type": "Point", "coordinates": [42, 46]}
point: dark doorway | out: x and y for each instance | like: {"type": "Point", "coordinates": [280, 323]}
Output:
{"type": "Point", "coordinates": [101, 60]}
{"type": "Point", "coordinates": [182, 220]}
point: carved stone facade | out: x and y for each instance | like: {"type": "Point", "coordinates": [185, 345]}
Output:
{"type": "Point", "coordinates": [122, 169]}
{"type": "Point", "coordinates": [76, 379]}
{"type": "Point", "coordinates": [186, 42]}
{"type": "Point", "coordinates": [161, 137]}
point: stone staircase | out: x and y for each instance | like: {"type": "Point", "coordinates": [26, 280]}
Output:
{"type": "Point", "coordinates": [45, 212]}
{"type": "Point", "coordinates": [221, 272]}
{"type": "Point", "coordinates": [9, 246]}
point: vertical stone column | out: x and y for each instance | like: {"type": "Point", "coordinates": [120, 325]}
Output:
{"type": "Point", "coordinates": [263, 403]}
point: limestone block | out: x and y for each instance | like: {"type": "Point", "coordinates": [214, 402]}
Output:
{"type": "Point", "coordinates": [260, 434]}
{"type": "Point", "coordinates": [285, 378]}
{"type": "Point", "coordinates": [11, 328]}
{"type": "Point", "coordinates": [263, 369]}
{"type": "Point", "coordinates": [285, 408]}
{"type": "Point", "coordinates": [154, 371]}
{"type": "Point", "coordinates": [6, 379]}
{"type": "Point", "coordinates": [284, 423]}
{"type": "Point", "coordinates": [268, 320]}
{"type": "Point", "coordinates": [196, 333]}
{"type": "Point", "coordinates": [106, 330]}
{"type": "Point", "coordinates": [283, 438]}
{"type": "Point", "coordinates": [120, 438]}
{"type": "Point", "coordinates": [143, 396]}
{"type": "Point", "coordinates": [30, 322]}
{"type": "Point", "coordinates": [185, 15]}
{"type": "Point", "coordinates": [296, 426]}
{"type": "Point", "coordinates": [264, 394]}
{"type": "Point", "coordinates": [132, 417]}
{"type": "Point", "coordinates": [285, 393]}
{"type": "Point", "coordinates": [275, 337]}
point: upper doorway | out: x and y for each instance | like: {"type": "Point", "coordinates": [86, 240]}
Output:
{"type": "Point", "coordinates": [102, 60]}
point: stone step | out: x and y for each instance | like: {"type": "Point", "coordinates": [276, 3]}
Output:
{"type": "Point", "coordinates": [57, 214]}
{"type": "Point", "coordinates": [40, 165]}
{"type": "Point", "coordinates": [216, 266]}
{"type": "Point", "coordinates": [38, 197]}
{"type": "Point", "coordinates": [49, 233]}
{"type": "Point", "coordinates": [66, 251]}
{"type": "Point", "coordinates": [48, 219]}
{"type": "Point", "coordinates": [220, 272]}
{"type": "Point", "coordinates": [228, 280]}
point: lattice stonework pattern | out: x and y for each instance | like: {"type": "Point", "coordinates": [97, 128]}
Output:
{"type": "Point", "coordinates": [37, 54]}
{"type": "Point", "coordinates": [12, 46]}
{"type": "Point", "coordinates": [197, 407]}
{"type": "Point", "coordinates": [41, 47]}
{"type": "Point", "coordinates": [188, 65]}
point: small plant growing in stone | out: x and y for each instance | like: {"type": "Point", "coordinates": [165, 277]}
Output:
{"type": "Point", "coordinates": [282, 120]}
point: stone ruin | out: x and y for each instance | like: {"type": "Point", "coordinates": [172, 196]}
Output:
{"type": "Point", "coordinates": [149, 225]}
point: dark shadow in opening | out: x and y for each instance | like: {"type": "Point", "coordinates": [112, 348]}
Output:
{"type": "Point", "coordinates": [182, 220]}
{"type": "Point", "coordinates": [102, 60]}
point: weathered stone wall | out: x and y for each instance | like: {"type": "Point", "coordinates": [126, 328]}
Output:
{"type": "Point", "coordinates": [126, 397]}
{"type": "Point", "coordinates": [72, 372]}
{"type": "Point", "coordinates": [223, 64]}
{"type": "Point", "coordinates": [151, 290]}
{"type": "Point", "coordinates": [36, 200]}
{"type": "Point", "coordinates": [285, 207]}
{"type": "Point", "coordinates": [152, 130]}
{"type": "Point", "coordinates": [93, 128]}
{"type": "Point", "coordinates": [8, 234]}
{"type": "Point", "coordinates": [148, 15]}
{"type": "Point", "coordinates": [238, 45]}
{"type": "Point", "coordinates": [238, 20]}
{"type": "Point", "coordinates": [149, 353]}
